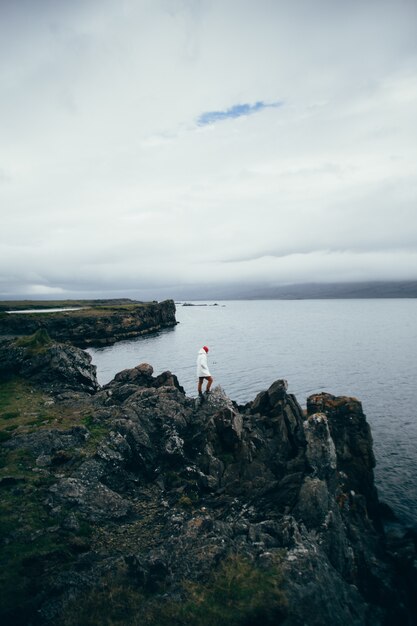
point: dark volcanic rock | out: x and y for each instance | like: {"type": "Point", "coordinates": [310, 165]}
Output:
{"type": "Point", "coordinates": [173, 486]}
{"type": "Point", "coordinates": [352, 436]}
{"type": "Point", "coordinates": [52, 365]}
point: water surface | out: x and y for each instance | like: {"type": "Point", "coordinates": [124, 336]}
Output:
{"type": "Point", "coordinates": [361, 348]}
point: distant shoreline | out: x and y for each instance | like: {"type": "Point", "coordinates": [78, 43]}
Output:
{"type": "Point", "coordinates": [406, 289]}
{"type": "Point", "coordinates": [308, 291]}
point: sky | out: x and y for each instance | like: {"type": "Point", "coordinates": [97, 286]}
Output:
{"type": "Point", "coordinates": [152, 148]}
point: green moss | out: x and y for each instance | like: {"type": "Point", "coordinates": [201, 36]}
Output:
{"type": "Point", "coordinates": [34, 544]}
{"type": "Point", "coordinates": [97, 431]}
{"type": "Point", "coordinates": [185, 502]}
{"type": "Point", "coordinates": [236, 594]}
{"type": "Point", "coordinates": [8, 415]}
{"type": "Point", "coordinates": [31, 543]}
{"type": "Point", "coordinates": [26, 409]}
{"type": "Point", "coordinates": [35, 343]}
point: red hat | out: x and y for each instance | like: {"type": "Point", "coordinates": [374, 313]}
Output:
{"type": "Point", "coordinates": [205, 348]}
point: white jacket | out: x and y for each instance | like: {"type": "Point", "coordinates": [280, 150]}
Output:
{"type": "Point", "coordinates": [202, 367]}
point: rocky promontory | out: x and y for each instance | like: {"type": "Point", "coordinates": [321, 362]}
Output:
{"type": "Point", "coordinates": [134, 504]}
{"type": "Point", "coordinates": [93, 323]}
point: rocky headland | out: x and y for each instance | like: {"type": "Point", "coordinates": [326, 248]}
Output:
{"type": "Point", "coordinates": [95, 323]}
{"type": "Point", "coordinates": [134, 504]}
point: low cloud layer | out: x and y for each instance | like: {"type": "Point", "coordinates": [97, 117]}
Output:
{"type": "Point", "coordinates": [150, 146]}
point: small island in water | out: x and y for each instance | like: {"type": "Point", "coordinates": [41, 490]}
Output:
{"type": "Point", "coordinates": [133, 504]}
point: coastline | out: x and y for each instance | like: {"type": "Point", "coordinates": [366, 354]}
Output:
{"type": "Point", "coordinates": [136, 486]}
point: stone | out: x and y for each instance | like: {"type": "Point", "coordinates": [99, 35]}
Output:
{"type": "Point", "coordinates": [168, 490]}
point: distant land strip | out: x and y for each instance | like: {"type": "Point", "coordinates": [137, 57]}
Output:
{"type": "Point", "coordinates": [98, 323]}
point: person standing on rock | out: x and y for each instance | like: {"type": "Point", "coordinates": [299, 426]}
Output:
{"type": "Point", "coordinates": [203, 372]}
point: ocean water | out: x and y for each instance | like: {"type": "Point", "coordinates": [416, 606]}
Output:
{"type": "Point", "coordinates": [361, 348]}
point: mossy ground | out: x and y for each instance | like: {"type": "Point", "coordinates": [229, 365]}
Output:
{"type": "Point", "coordinates": [35, 343]}
{"type": "Point", "coordinates": [85, 311]}
{"type": "Point", "coordinates": [24, 408]}
{"type": "Point", "coordinates": [236, 594]}
{"type": "Point", "coordinates": [19, 305]}
{"type": "Point", "coordinates": [37, 544]}
{"type": "Point", "coordinates": [33, 543]}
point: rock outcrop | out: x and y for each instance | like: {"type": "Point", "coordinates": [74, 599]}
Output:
{"type": "Point", "coordinates": [154, 492]}
{"type": "Point", "coordinates": [47, 363]}
{"type": "Point", "coordinates": [93, 325]}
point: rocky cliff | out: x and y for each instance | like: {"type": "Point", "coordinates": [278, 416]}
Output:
{"type": "Point", "coordinates": [135, 504]}
{"type": "Point", "coordinates": [93, 325]}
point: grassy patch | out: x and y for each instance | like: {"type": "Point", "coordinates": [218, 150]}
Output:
{"type": "Point", "coordinates": [236, 594]}
{"type": "Point", "coordinates": [19, 305]}
{"type": "Point", "coordinates": [24, 408]}
{"type": "Point", "coordinates": [96, 429]}
{"type": "Point", "coordinates": [35, 343]}
{"type": "Point", "coordinates": [33, 545]}
{"type": "Point", "coordinates": [86, 311]}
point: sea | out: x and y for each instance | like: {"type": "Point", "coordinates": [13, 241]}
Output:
{"type": "Point", "coordinates": [360, 348]}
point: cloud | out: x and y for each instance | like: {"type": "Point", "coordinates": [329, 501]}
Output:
{"type": "Point", "coordinates": [42, 290]}
{"type": "Point", "coordinates": [238, 110]}
{"type": "Point", "coordinates": [116, 173]}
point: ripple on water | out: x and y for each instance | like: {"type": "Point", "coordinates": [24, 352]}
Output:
{"type": "Point", "coordinates": [360, 348]}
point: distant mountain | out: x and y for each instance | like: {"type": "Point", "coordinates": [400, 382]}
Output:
{"type": "Point", "coordinates": [397, 289]}
{"type": "Point", "coordinates": [305, 291]}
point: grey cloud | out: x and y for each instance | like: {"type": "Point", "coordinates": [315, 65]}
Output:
{"type": "Point", "coordinates": [108, 184]}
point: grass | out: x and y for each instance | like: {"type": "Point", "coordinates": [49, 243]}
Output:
{"type": "Point", "coordinates": [236, 594]}
{"type": "Point", "coordinates": [35, 343]}
{"type": "Point", "coordinates": [34, 545]}
{"type": "Point", "coordinates": [32, 542]}
{"type": "Point", "coordinates": [19, 305]}
{"type": "Point", "coordinates": [24, 409]}
{"type": "Point", "coordinates": [96, 429]}
{"type": "Point", "coordinates": [85, 310]}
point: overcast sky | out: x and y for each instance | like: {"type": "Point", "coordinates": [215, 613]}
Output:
{"type": "Point", "coordinates": [150, 146]}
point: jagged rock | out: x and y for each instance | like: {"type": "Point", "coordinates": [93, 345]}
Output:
{"type": "Point", "coordinates": [172, 487]}
{"type": "Point", "coordinates": [94, 500]}
{"type": "Point", "coordinates": [54, 366]}
{"type": "Point", "coordinates": [45, 443]}
{"type": "Point", "coordinates": [320, 450]}
{"type": "Point", "coordinates": [229, 425]}
{"type": "Point", "coordinates": [353, 441]}
{"type": "Point", "coordinates": [140, 375]}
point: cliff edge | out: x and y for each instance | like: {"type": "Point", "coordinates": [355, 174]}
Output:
{"type": "Point", "coordinates": [93, 324]}
{"type": "Point", "coordinates": [135, 504]}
